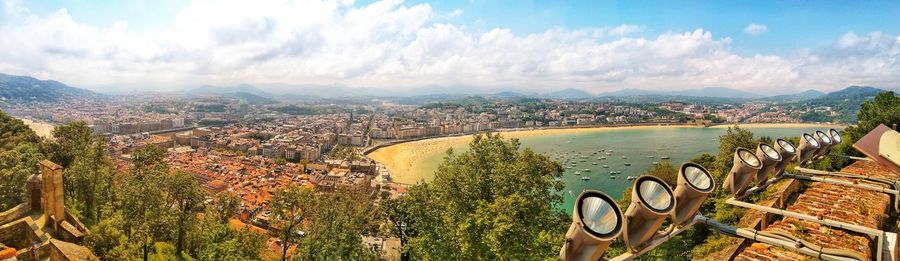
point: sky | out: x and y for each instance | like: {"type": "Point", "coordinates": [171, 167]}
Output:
{"type": "Point", "coordinates": [769, 47]}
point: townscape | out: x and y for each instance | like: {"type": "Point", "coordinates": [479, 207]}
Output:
{"type": "Point", "coordinates": [449, 130]}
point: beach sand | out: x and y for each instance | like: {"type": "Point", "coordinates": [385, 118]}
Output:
{"type": "Point", "coordinates": [402, 160]}
{"type": "Point", "coordinates": [42, 129]}
{"type": "Point", "coordinates": [783, 125]}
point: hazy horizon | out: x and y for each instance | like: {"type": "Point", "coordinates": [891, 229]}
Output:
{"type": "Point", "coordinates": [530, 47]}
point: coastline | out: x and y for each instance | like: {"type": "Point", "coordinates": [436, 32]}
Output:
{"type": "Point", "coordinates": [402, 159]}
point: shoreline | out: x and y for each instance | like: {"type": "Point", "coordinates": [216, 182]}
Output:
{"type": "Point", "coordinates": [403, 158]}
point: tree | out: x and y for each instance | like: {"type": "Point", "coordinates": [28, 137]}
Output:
{"type": "Point", "coordinates": [20, 151]}
{"type": "Point", "coordinates": [226, 205]}
{"type": "Point", "coordinates": [290, 207]}
{"type": "Point", "coordinates": [14, 132]}
{"type": "Point", "coordinates": [16, 165]}
{"type": "Point", "coordinates": [141, 199]}
{"type": "Point", "coordinates": [883, 109]}
{"type": "Point", "coordinates": [184, 193]}
{"type": "Point", "coordinates": [397, 213]}
{"type": "Point", "coordinates": [70, 141]}
{"type": "Point", "coordinates": [216, 240]}
{"type": "Point", "coordinates": [88, 181]}
{"type": "Point", "coordinates": [334, 224]}
{"type": "Point", "coordinates": [107, 240]}
{"type": "Point", "coordinates": [493, 201]}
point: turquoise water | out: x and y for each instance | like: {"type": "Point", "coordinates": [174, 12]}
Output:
{"type": "Point", "coordinates": [680, 144]}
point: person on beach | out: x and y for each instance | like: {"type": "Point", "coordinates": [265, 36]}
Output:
{"type": "Point", "coordinates": [34, 250]}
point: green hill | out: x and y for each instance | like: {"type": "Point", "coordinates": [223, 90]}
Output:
{"type": "Point", "coordinates": [27, 89]}
{"type": "Point", "coordinates": [845, 102]}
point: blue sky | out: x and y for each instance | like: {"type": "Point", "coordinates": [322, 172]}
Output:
{"type": "Point", "coordinates": [777, 45]}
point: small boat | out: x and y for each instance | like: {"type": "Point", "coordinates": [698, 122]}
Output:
{"type": "Point", "coordinates": [593, 163]}
{"type": "Point", "coordinates": [608, 153]}
{"type": "Point", "coordinates": [585, 178]}
{"type": "Point", "coordinates": [624, 157]}
{"type": "Point", "coordinates": [650, 156]}
{"type": "Point", "coordinates": [606, 166]}
{"type": "Point", "coordinates": [603, 158]}
{"type": "Point", "coordinates": [629, 178]}
{"type": "Point", "coordinates": [612, 172]}
{"type": "Point", "coordinates": [567, 167]}
{"type": "Point", "coordinates": [571, 194]}
{"type": "Point", "coordinates": [578, 173]}
{"type": "Point", "coordinates": [664, 157]}
{"type": "Point", "coordinates": [627, 164]}
{"type": "Point", "coordinates": [586, 170]}
{"type": "Point", "coordinates": [656, 163]}
{"type": "Point", "coordinates": [612, 177]}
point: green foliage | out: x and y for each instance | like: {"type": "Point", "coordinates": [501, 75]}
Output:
{"type": "Point", "coordinates": [290, 206]}
{"type": "Point", "coordinates": [16, 165]}
{"type": "Point", "coordinates": [396, 212]}
{"type": "Point", "coordinates": [88, 180]}
{"type": "Point", "coordinates": [815, 116]}
{"type": "Point", "coordinates": [261, 136]}
{"type": "Point", "coordinates": [341, 151]}
{"type": "Point", "coordinates": [493, 201]}
{"type": "Point", "coordinates": [20, 151]}
{"type": "Point", "coordinates": [334, 225]}
{"type": "Point", "coordinates": [324, 226]}
{"type": "Point", "coordinates": [14, 132]}
{"type": "Point", "coordinates": [846, 103]}
{"type": "Point", "coordinates": [183, 192]}
{"type": "Point", "coordinates": [734, 138]}
{"type": "Point", "coordinates": [141, 199]}
{"type": "Point", "coordinates": [70, 141]}
{"type": "Point", "coordinates": [296, 110]}
{"type": "Point", "coordinates": [884, 108]}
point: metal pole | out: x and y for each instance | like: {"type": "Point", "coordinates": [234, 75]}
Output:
{"type": "Point", "coordinates": [754, 235]}
{"type": "Point", "coordinates": [653, 243]}
{"type": "Point", "coordinates": [877, 234]}
{"type": "Point", "coordinates": [881, 189]}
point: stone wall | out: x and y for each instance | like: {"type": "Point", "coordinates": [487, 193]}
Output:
{"type": "Point", "coordinates": [17, 212]}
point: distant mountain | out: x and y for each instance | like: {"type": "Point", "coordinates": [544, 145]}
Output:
{"type": "Point", "coordinates": [853, 92]}
{"type": "Point", "coordinates": [27, 89]}
{"type": "Point", "coordinates": [629, 92]}
{"type": "Point", "coordinates": [716, 92]}
{"type": "Point", "coordinates": [568, 93]}
{"type": "Point", "coordinates": [805, 95]}
{"type": "Point", "coordinates": [242, 88]}
{"type": "Point", "coordinates": [508, 94]}
{"type": "Point", "coordinates": [250, 98]}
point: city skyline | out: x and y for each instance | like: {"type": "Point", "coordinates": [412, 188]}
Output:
{"type": "Point", "coordinates": [768, 47]}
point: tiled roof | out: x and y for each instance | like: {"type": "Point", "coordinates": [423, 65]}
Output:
{"type": "Point", "coordinates": [851, 205]}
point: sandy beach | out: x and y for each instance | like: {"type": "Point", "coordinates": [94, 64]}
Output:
{"type": "Point", "coordinates": [42, 129]}
{"type": "Point", "coordinates": [783, 125]}
{"type": "Point", "coordinates": [405, 158]}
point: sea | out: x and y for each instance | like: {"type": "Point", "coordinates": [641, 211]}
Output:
{"type": "Point", "coordinates": [596, 154]}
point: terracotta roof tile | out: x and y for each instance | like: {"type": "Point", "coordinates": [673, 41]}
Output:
{"type": "Point", "coordinates": [851, 205]}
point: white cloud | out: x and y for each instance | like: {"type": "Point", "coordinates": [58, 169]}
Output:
{"type": "Point", "coordinates": [756, 29]}
{"type": "Point", "coordinates": [391, 45]}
